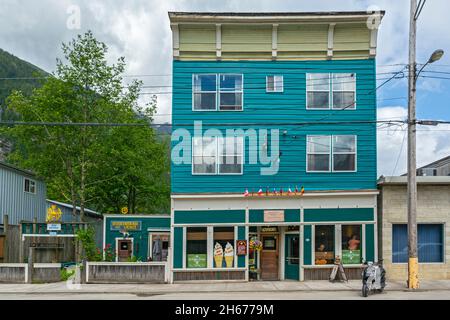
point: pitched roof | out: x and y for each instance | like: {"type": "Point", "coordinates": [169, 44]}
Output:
{"type": "Point", "coordinates": [11, 167]}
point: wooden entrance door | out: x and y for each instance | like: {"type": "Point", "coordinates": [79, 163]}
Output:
{"type": "Point", "coordinates": [124, 250]}
{"type": "Point", "coordinates": [269, 257]}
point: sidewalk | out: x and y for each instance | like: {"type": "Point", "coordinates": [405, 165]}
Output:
{"type": "Point", "coordinates": [257, 286]}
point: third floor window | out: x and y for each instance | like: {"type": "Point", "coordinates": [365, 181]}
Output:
{"type": "Point", "coordinates": [331, 91]}
{"type": "Point", "coordinates": [212, 92]}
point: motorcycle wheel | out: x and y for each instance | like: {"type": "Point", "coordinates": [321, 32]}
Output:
{"type": "Point", "coordinates": [365, 291]}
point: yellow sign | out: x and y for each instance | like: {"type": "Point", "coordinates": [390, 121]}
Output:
{"type": "Point", "coordinates": [124, 210]}
{"type": "Point", "coordinates": [126, 225]}
{"type": "Point", "coordinates": [54, 214]}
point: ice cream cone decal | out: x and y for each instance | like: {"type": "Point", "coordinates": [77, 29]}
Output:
{"type": "Point", "coordinates": [218, 255]}
{"type": "Point", "coordinates": [229, 255]}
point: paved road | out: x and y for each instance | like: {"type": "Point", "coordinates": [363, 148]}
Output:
{"type": "Point", "coordinates": [301, 295]}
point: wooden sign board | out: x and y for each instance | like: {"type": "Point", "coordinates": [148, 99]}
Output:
{"type": "Point", "coordinates": [273, 215]}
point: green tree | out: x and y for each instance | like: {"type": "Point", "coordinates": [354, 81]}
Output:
{"type": "Point", "coordinates": [82, 164]}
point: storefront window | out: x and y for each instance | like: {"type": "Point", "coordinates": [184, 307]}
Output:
{"type": "Point", "coordinates": [351, 244]}
{"type": "Point", "coordinates": [223, 247]}
{"type": "Point", "coordinates": [324, 245]}
{"type": "Point", "coordinates": [196, 247]}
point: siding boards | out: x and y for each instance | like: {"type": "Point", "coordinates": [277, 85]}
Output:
{"type": "Point", "coordinates": [197, 38]}
{"type": "Point", "coordinates": [297, 38]}
{"type": "Point", "coordinates": [237, 38]}
{"type": "Point", "coordinates": [262, 108]}
{"type": "Point", "coordinates": [16, 203]}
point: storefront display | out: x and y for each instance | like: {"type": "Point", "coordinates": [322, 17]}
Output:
{"type": "Point", "coordinates": [196, 261]}
{"type": "Point", "coordinates": [196, 247]}
{"type": "Point", "coordinates": [351, 243]}
{"type": "Point", "coordinates": [324, 241]}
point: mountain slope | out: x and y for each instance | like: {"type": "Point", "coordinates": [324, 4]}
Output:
{"type": "Point", "coordinates": [15, 74]}
{"type": "Point", "coordinates": [21, 71]}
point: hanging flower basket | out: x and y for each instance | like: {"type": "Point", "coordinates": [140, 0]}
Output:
{"type": "Point", "coordinates": [255, 244]}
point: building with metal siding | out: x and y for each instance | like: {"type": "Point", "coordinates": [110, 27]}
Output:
{"type": "Point", "coordinates": [301, 232]}
{"type": "Point", "coordinates": [15, 201]}
{"type": "Point", "coordinates": [93, 217]}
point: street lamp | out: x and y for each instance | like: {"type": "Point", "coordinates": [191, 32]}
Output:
{"type": "Point", "coordinates": [435, 56]}
{"type": "Point", "coordinates": [413, 261]}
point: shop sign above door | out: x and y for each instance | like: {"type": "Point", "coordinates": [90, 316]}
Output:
{"type": "Point", "coordinates": [126, 225]}
{"type": "Point", "coordinates": [273, 215]}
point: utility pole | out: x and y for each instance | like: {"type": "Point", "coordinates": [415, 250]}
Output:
{"type": "Point", "coordinates": [413, 263]}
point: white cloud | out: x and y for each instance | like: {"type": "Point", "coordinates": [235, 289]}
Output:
{"type": "Point", "coordinates": [432, 143]}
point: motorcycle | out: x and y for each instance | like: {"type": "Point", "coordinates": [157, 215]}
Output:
{"type": "Point", "coordinates": [373, 278]}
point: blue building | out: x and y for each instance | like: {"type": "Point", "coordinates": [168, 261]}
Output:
{"type": "Point", "coordinates": [22, 195]}
{"type": "Point", "coordinates": [273, 144]}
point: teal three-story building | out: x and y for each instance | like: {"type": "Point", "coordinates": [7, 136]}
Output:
{"type": "Point", "coordinates": [273, 144]}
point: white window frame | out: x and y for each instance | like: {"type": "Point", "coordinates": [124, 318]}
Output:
{"type": "Point", "coordinates": [218, 154]}
{"type": "Point", "coordinates": [210, 247]}
{"type": "Point", "coordinates": [331, 161]}
{"type": "Point", "coordinates": [194, 92]}
{"type": "Point", "coordinates": [275, 88]}
{"type": "Point", "coordinates": [193, 155]}
{"type": "Point", "coordinates": [217, 91]}
{"type": "Point", "coordinates": [330, 154]}
{"type": "Point", "coordinates": [355, 153]}
{"type": "Point", "coordinates": [332, 91]}
{"type": "Point", "coordinates": [30, 181]}
{"type": "Point", "coordinates": [117, 246]}
{"type": "Point", "coordinates": [338, 241]}
{"type": "Point", "coordinates": [307, 90]}
{"type": "Point", "coordinates": [150, 241]}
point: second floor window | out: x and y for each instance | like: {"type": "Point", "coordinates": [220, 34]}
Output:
{"type": "Point", "coordinates": [213, 92]}
{"type": "Point", "coordinates": [29, 186]}
{"type": "Point", "coordinates": [331, 153]}
{"type": "Point", "coordinates": [211, 155]}
{"type": "Point", "coordinates": [335, 91]}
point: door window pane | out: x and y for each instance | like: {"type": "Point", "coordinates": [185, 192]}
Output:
{"type": "Point", "coordinates": [324, 244]}
{"type": "Point", "coordinates": [196, 247]}
{"type": "Point", "coordinates": [351, 244]}
{"type": "Point", "coordinates": [293, 250]}
{"type": "Point", "coordinates": [223, 246]}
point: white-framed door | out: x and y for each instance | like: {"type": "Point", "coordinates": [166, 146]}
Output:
{"type": "Point", "coordinates": [164, 236]}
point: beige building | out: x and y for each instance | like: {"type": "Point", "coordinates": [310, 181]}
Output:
{"type": "Point", "coordinates": [433, 219]}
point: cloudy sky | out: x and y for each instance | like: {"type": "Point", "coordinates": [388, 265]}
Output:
{"type": "Point", "coordinates": [139, 31]}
